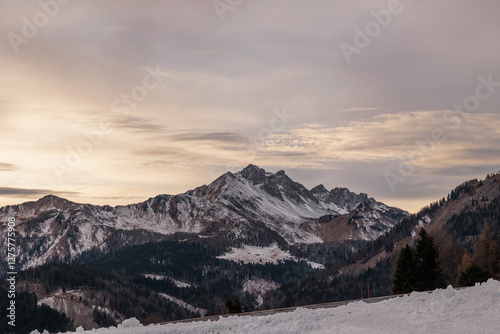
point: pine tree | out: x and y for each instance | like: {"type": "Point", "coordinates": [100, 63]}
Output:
{"type": "Point", "coordinates": [404, 278]}
{"type": "Point", "coordinates": [473, 275]}
{"type": "Point", "coordinates": [429, 272]}
{"type": "Point", "coordinates": [419, 269]}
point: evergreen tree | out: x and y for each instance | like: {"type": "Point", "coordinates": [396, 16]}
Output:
{"type": "Point", "coordinates": [419, 269]}
{"type": "Point", "coordinates": [429, 272]}
{"type": "Point", "coordinates": [472, 275]}
{"type": "Point", "coordinates": [404, 278]}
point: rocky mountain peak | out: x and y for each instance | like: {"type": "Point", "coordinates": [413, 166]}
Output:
{"type": "Point", "coordinates": [50, 197]}
{"type": "Point", "coordinates": [53, 201]}
{"type": "Point", "coordinates": [319, 189]}
{"type": "Point", "coordinates": [253, 173]}
{"type": "Point", "coordinates": [344, 194]}
{"type": "Point", "coordinates": [280, 173]}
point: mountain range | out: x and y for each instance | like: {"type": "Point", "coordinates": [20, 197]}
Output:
{"type": "Point", "coordinates": [250, 237]}
{"type": "Point", "coordinates": [251, 206]}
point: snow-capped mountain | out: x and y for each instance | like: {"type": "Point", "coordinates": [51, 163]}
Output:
{"type": "Point", "coordinates": [250, 206]}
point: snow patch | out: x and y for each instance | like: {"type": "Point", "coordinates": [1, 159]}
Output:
{"type": "Point", "coordinates": [269, 254]}
{"type": "Point", "coordinates": [177, 283]}
{"type": "Point", "coordinates": [258, 288]}
{"type": "Point", "coordinates": [184, 305]}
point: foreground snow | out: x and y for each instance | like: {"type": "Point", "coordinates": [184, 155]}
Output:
{"type": "Point", "coordinates": [472, 310]}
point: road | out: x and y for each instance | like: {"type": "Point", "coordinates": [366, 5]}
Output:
{"type": "Point", "coordinates": [281, 310]}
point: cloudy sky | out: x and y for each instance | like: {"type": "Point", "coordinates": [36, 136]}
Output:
{"type": "Point", "coordinates": [113, 102]}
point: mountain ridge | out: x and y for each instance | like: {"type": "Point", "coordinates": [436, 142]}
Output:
{"type": "Point", "coordinates": [251, 206]}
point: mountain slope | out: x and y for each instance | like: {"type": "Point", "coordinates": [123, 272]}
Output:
{"type": "Point", "coordinates": [454, 222]}
{"type": "Point", "coordinates": [251, 206]}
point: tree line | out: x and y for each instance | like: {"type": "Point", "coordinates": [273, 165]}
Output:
{"type": "Point", "coordinates": [420, 268]}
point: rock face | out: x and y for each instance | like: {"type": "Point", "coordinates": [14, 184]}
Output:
{"type": "Point", "coordinates": [251, 206]}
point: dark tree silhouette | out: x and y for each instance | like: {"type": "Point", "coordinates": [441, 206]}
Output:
{"type": "Point", "coordinates": [404, 278]}
{"type": "Point", "coordinates": [472, 275]}
{"type": "Point", "coordinates": [419, 269]}
{"type": "Point", "coordinates": [429, 272]}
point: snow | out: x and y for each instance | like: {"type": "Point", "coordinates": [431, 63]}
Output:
{"type": "Point", "coordinates": [258, 287]}
{"type": "Point", "coordinates": [471, 310]}
{"type": "Point", "coordinates": [285, 209]}
{"type": "Point", "coordinates": [256, 254]}
{"type": "Point", "coordinates": [131, 323]}
{"type": "Point", "coordinates": [270, 254]}
{"type": "Point", "coordinates": [184, 305]}
{"type": "Point", "coordinates": [177, 283]}
{"type": "Point", "coordinates": [44, 332]}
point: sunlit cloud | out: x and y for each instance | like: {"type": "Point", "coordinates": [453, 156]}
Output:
{"type": "Point", "coordinates": [395, 136]}
{"type": "Point", "coordinates": [22, 192]}
{"type": "Point", "coordinates": [6, 167]}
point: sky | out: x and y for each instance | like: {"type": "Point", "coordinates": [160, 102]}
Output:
{"type": "Point", "coordinates": [113, 102]}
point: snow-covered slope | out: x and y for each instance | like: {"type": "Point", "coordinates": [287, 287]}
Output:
{"type": "Point", "coordinates": [472, 310]}
{"type": "Point", "coordinates": [250, 206]}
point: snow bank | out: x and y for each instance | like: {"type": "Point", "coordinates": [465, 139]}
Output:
{"type": "Point", "coordinates": [471, 310]}
{"type": "Point", "coordinates": [131, 323]}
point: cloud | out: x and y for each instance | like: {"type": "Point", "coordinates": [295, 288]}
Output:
{"type": "Point", "coordinates": [23, 192]}
{"type": "Point", "coordinates": [224, 137]}
{"type": "Point", "coordinates": [170, 154]}
{"type": "Point", "coordinates": [121, 198]}
{"type": "Point", "coordinates": [395, 136]}
{"type": "Point", "coordinates": [138, 124]}
{"type": "Point", "coordinates": [358, 109]}
{"type": "Point", "coordinates": [6, 167]}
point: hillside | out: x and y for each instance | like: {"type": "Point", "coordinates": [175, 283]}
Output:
{"type": "Point", "coordinates": [455, 222]}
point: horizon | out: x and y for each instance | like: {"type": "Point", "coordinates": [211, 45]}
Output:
{"type": "Point", "coordinates": [113, 102]}
{"type": "Point", "coordinates": [267, 171]}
